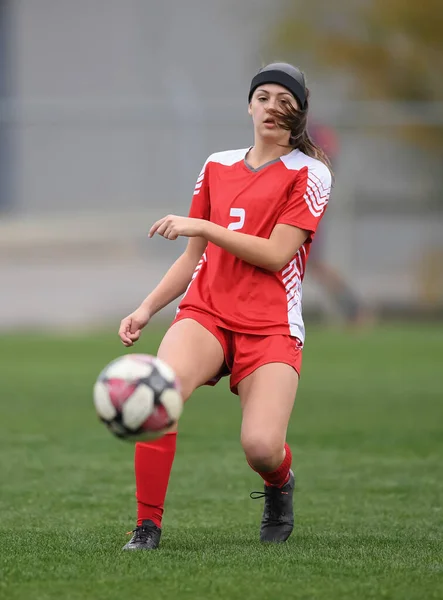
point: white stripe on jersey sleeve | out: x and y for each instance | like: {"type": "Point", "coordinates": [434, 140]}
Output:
{"type": "Point", "coordinates": [319, 181]}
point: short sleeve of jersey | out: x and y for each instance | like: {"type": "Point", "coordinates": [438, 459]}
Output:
{"type": "Point", "coordinates": [200, 206]}
{"type": "Point", "coordinates": [308, 199]}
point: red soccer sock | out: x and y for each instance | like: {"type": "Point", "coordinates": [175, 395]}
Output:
{"type": "Point", "coordinates": [280, 476]}
{"type": "Point", "coordinates": [153, 464]}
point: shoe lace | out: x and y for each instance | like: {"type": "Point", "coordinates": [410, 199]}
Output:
{"type": "Point", "coordinates": [274, 502]}
{"type": "Point", "coordinates": [257, 495]}
{"type": "Point", "coordinates": [142, 533]}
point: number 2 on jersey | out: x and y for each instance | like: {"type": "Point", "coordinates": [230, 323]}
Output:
{"type": "Point", "coordinates": [240, 214]}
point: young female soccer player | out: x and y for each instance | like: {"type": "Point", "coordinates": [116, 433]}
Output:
{"type": "Point", "coordinates": [252, 220]}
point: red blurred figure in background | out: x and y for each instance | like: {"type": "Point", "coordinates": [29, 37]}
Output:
{"type": "Point", "coordinates": [345, 297]}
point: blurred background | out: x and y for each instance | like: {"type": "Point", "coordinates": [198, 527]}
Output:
{"type": "Point", "coordinates": [108, 110]}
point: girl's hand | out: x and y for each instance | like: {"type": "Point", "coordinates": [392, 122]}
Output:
{"type": "Point", "coordinates": [132, 325]}
{"type": "Point", "coordinates": [171, 227]}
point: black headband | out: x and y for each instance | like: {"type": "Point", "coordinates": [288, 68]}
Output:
{"type": "Point", "coordinates": [296, 88]}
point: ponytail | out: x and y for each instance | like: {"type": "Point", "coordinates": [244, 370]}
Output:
{"type": "Point", "coordinates": [295, 120]}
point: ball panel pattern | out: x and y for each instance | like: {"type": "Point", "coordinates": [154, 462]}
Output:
{"type": "Point", "coordinates": [165, 371]}
{"type": "Point", "coordinates": [158, 420]}
{"type": "Point", "coordinates": [119, 391]}
{"type": "Point", "coordinates": [172, 401]}
{"type": "Point", "coordinates": [137, 397]}
{"type": "Point", "coordinates": [103, 404]}
{"type": "Point", "coordinates": [127, 368]}
{"type": "Point", "coordinates": [138, 408]}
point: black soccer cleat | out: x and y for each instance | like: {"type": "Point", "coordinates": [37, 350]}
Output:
{"type": "Point", "coordinates": [278, 514]}
{"type": "Point", "coordinates": [144, 537]}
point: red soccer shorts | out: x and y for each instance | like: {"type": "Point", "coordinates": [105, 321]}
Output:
{"type": "Point", "coordinates": [245, 352]}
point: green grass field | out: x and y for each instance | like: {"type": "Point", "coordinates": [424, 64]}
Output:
{"type": "Point", "coordinates": [367, 436]}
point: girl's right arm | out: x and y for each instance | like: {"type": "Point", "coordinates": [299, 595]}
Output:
{"type": "Point", "coordinates": [173, 285]}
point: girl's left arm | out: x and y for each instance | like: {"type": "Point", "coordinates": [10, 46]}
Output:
{"type": "Point", "coordinates": [271, 254]}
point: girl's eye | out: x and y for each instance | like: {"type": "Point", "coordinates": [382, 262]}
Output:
{"type": "Point", "coordinates": [262, 98]}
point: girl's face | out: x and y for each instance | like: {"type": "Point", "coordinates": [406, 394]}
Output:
{"type": "Point", "coordinates": [270, 96]}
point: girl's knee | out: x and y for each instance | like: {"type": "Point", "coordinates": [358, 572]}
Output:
{"type": "Point", "coordinates": [263, 452]}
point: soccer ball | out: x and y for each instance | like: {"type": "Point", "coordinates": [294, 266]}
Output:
{"type": "Point", "coordinates": [137, 397]}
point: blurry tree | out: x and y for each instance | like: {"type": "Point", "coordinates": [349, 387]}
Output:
{"type": "Point", "coordinates": [393, 49]}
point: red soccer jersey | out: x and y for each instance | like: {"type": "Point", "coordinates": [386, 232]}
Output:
{"type": "Point", "coordinates": [294, 190]}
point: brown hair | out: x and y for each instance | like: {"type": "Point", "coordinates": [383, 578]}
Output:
{"type": "Point", "coordinates": [295, 120]}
